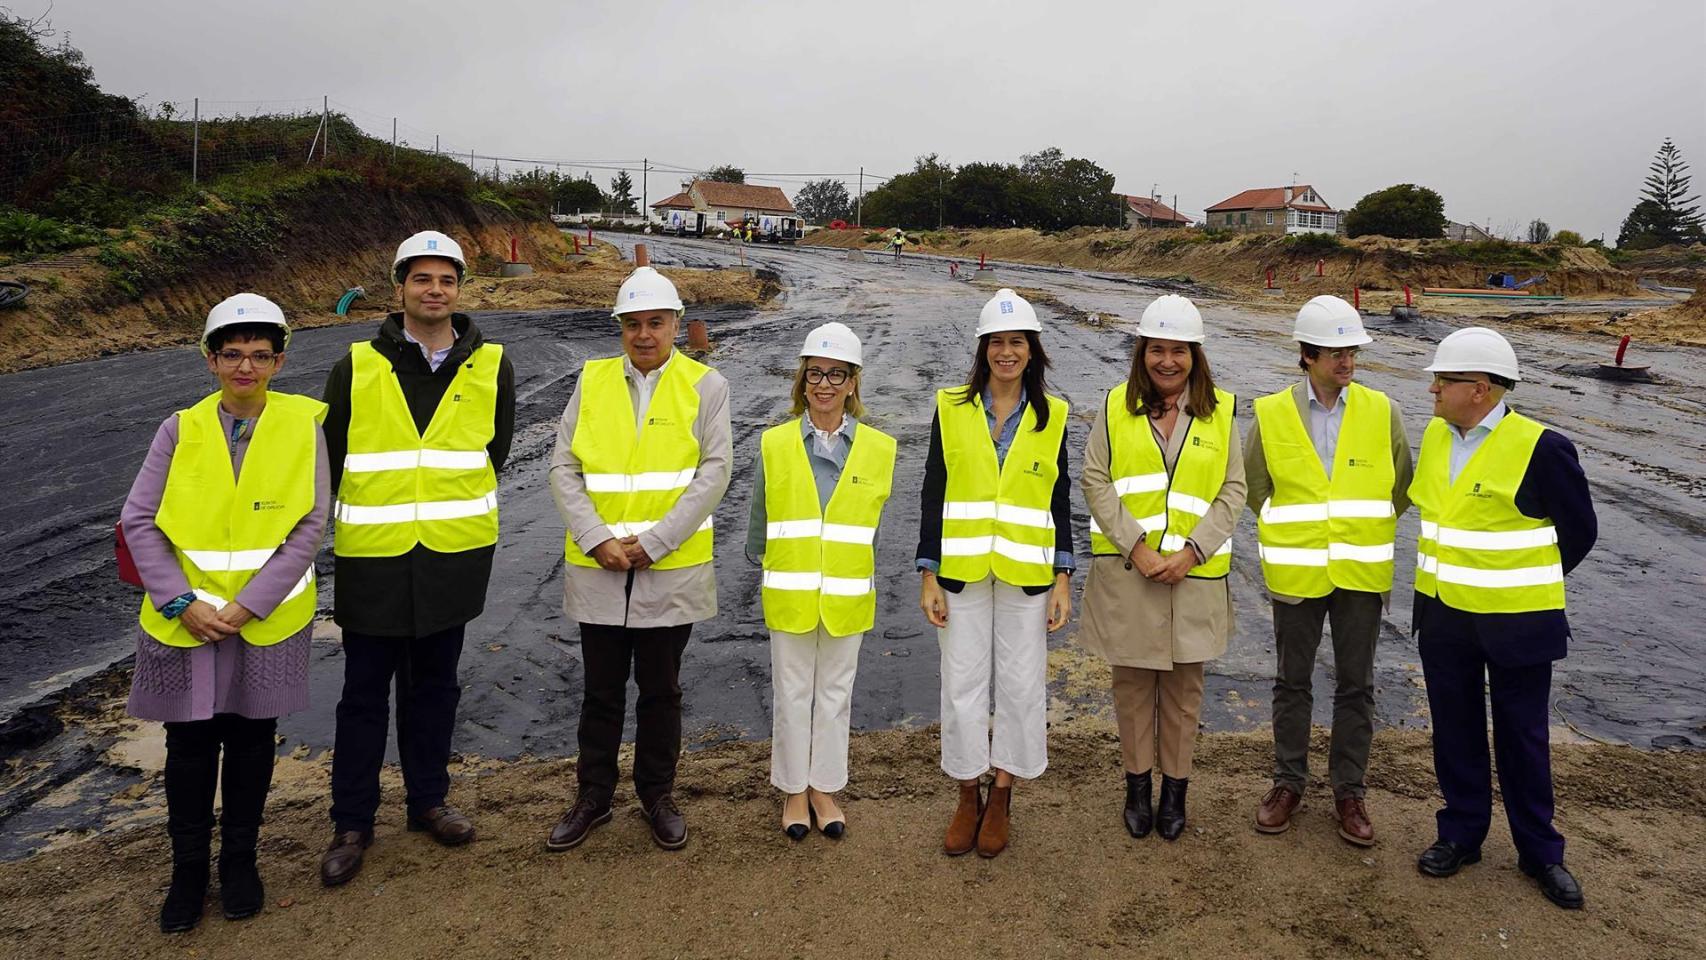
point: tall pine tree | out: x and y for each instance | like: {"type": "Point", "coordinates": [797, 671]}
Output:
{"type": "Point", "coordinates": [1666, 212]}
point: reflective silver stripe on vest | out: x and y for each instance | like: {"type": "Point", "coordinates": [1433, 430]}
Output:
{"type": "Point", "coordinates": [410, 459]}
{"type": "Point", "coordinates": [641, 526]}
{"type": "Point", "coordinates": [410, 512]}
{"type": "Point", "coordinates": [1490, 540]}
{"type": "Point", "coordinates": [229, 561]}
{"type": "Point", "coordinates": [1495, 579]}
{"type": "Point", "coordinates": [1156, 522]}
{"type": "Point", "coordinates": [218, 602]}
{"type": "Point", "coordinates": [639, 482]}
{"type": "Point", "coordinates": [1173, 543]}
{"type": "Point", "coordinates": [1315, 557]}
{"type": "Point", "coordinates": [1320, 512]}
{"type": "Point", "coordinates": [1024, 516]}
{"type": "Point", "coordinates": [1185, 503]}
{"type": "Point", "coordinates": [830, 586]}
{"type": "Point", "coordinates": [979, 546]}
{"type": "Point", "coordinates": [1140, 483]}
{"type": "Point", "coordinates": [830, 532]}
{"type": "Point", "coordinates": [968, 510]}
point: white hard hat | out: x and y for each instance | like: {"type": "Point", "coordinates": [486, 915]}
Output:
{"type": "Point", "coordinates": [1007, 311]}
{"type": "Point", "coordinates": [646, 289]}
{"type": "Point", "coordinates": [834, 341]}
{"type": "Point", "coordinates": [1475, 350]}
{"type": "Point", "coordinates": [1328, 321]}
{"type": "Point", "coordinates": [428, 243]}
{"type": "Point", "coordinates": [1171, 317]}
{"type": "Point", "coordinates": [244, 308]}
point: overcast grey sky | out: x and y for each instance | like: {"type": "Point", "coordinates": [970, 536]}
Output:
{"type": "Point", "coordinates": [1511, 110]}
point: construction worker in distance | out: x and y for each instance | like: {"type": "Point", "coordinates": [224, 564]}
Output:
{"type": "Point", "coordinates": [223, 522]}
{"type": "Point", "coordinates": [995, 563]}
{"type": "Point", "coordinates": [642, 460]}
{"type": "Point", "coordinates": [818, 492]}
{"type": "Point", "coordinates": [1506, 514]}
{"type": "Point", "coordinates": [1164, 481]}
{"type": "Point", "coordinates": [898, 241]}
{"type": "Point", "coordinates": [1328, 466]}
{"type": "Point", "coordinates": [420, 422]}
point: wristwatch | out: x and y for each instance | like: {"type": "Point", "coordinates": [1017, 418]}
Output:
{"type": "Point", "coordinates": [177, 605]}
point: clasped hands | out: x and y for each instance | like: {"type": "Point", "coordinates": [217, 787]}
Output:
{"type": "Point", "coordinates": [1170, 569]}
{"type": "Point", "coordinates": [622, 554]}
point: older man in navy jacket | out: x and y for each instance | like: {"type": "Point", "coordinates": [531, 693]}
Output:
{"type": "Point", "coordinates": [1505, 514]}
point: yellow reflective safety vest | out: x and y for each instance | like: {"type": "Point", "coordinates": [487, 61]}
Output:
{"type": "Point", "coordinates": [995, 516]}
{"type": "Point", "coordinates": [1318, 533]}
{"type": "Point", "coordinates": [401, 487]}
{"type": "Point", "coordinates": [635, 477]}
{"type": "Point", "coordinates": [819, 563]}
{"type": "Point", "coordinates": [224, 528]}
{"type": "Point", "coordinates": [1477, 552]}
{"type": "Point", "coordinates": [1168, 506]}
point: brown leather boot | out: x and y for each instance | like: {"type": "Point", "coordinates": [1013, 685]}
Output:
{"type": "Point", "coordinates": [1354, 824]}
{"type": "Point", "coordinates": [992, 832]}
{"type": "Point", "coordinates": [962, 830]}
{"type": "Point", "coordinates": [1274, 814]}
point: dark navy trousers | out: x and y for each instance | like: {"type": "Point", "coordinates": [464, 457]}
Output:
{"type": "Point", "coordinates": [1461, 679]}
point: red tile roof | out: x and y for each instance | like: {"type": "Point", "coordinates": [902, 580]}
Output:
{"type": "Point", "coordinates": [1149, 209]}
{"type": "Point", "coordinates": [1268, 198]}
{"type": "Point", "coordinates": [681, 200]}
{"type": "Point", "coordinates": [743, 196]}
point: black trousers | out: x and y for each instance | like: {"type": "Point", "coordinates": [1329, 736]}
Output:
{"type": "Point", "coordinates": [655, 656]}
{"type": "Point", "coordinates": [427, 695]}
{"type": "Point", "coordinates": [193, 773]}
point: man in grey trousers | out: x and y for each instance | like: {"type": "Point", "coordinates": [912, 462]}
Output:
{"type": "Point", "coordinates": [1329, 471]}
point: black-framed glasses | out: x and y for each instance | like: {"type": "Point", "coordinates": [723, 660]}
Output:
{"type": "Point", "coordinates": [836, 377]}
{"type": "Point", "coordinates": [1441, 380]}
{"type": "Point", "coordinates": [260, 359]}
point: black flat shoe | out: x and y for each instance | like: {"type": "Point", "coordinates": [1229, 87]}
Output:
{"type": "Point", "coordinates": [1446, 857]}
{"type": "Point", "coordinates": [1139, 811]}
{"type": "Point", "coordinates": [1556, 883]}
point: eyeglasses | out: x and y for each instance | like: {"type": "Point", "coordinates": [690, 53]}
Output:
{"type": "Point", "coordinates": [1342, 353]}
{"type": "Point", "coordinates": [1441, 380]}
{"type": "Point", "coordinates": [260, 359]}
{"type": "Point", "coordinates": [836, 377]}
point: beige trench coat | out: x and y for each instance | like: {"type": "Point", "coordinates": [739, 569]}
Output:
{"type": "Point", "coordinates": [1135, 622]}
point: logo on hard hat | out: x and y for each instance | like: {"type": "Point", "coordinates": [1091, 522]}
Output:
{"type": "Point", "coordinates": [1341, 330]}
{"type": "Point", "coordinates": [1006, 306]}
{"type": "Point", "coordinates": [240, 311]}
{"type": "Point", "coordinates": [432, 244]}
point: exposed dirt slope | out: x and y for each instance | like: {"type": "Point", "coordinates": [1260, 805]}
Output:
{"type": "Point", "coordinates": [1071, 885]}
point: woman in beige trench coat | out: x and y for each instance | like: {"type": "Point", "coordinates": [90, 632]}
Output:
{"type": "Point", "coordinates": [1164, 497]}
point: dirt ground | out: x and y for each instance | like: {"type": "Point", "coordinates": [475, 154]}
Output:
{"type": "Point", "coordinates": [1683, 323]}
{"type": "Point", "coordinates": [1072, 884]}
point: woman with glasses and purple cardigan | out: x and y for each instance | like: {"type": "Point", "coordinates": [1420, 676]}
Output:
{"type": "Point", "coordinates": [223, 522]}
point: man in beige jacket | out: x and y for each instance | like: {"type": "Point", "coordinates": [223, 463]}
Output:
{"type": "Point", "coordinates": [641, 462]}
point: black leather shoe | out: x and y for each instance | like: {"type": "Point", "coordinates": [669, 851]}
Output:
{"type": "Point", "coordinates": [669, 827]}
{"type": "Point", "coordinates": [577, 823]}
{"type": "Point", "coordinates": [1170, 812]}
{"type": "Point", "coordinates": [1446, 857]}
{"type": "Point", "coordinates": [1556, 882]}
{"type": "Point", "coordinates": [182, 909]}
{"type": "Point", "coordinates": [1139, 811]}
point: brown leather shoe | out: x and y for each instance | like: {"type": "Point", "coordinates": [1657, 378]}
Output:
{"type": "Point", "coordinates": [1353, 821]}
{"type": "Point", "coordinates": [577, 823]}
{"type": "Point", "coordinates": [992, 832]}
{"type": "Point", "coordinates": [669, 827]}
{"type": "Point", "coordinates": [447, 825]}
{"type": "Point", "coordinates": [962, 830]}
{"type": "Point", "coordinates": [342, 859]}
{"type": "Point", "coordinates": [1274, 815]}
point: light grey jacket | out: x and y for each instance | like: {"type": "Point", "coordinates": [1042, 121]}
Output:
{"type": "Point", "coordinates": [659, 598]}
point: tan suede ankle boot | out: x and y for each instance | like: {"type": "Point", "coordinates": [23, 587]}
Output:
{"type": "Point", "coordinates": [962, 830]}
{"type": "Point", "coordinates": [992, 833]}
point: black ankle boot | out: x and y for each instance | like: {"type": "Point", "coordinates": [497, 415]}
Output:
{"type": "Point", "coordinates": [1139, 813]}
{"type": "Point", "coordinates": [182, 909]}
{"type": "Point", "coordinates": [1170, 817]}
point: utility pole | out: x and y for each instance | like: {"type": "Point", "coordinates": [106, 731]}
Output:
{"type": "Point", "coordinates": [326, 121]}
{"type": "Point", "coordinates": [435, 144]}
{"type": "Point", "coordinates": [859, 210]}
{"type": "Point", "coordinates": [645, 171]}
{"type": "Point", "coordinates": [195, 145]}
{"type": "Point", "coordinates": [393, 138]}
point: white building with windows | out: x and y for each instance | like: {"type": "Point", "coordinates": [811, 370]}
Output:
{"type": "Point", "coordinates": [710, 206]}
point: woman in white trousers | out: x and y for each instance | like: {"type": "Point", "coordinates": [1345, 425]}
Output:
{"type": "Point", "coordinates": [995, 556]}
{"type": "Point", "coordinates": [819, 490]}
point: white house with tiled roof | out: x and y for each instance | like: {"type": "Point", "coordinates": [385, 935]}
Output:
{"type": "Point", "coordinates": [1293, 209]}
{"type": "Point", "coordinates": [709, 206]}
